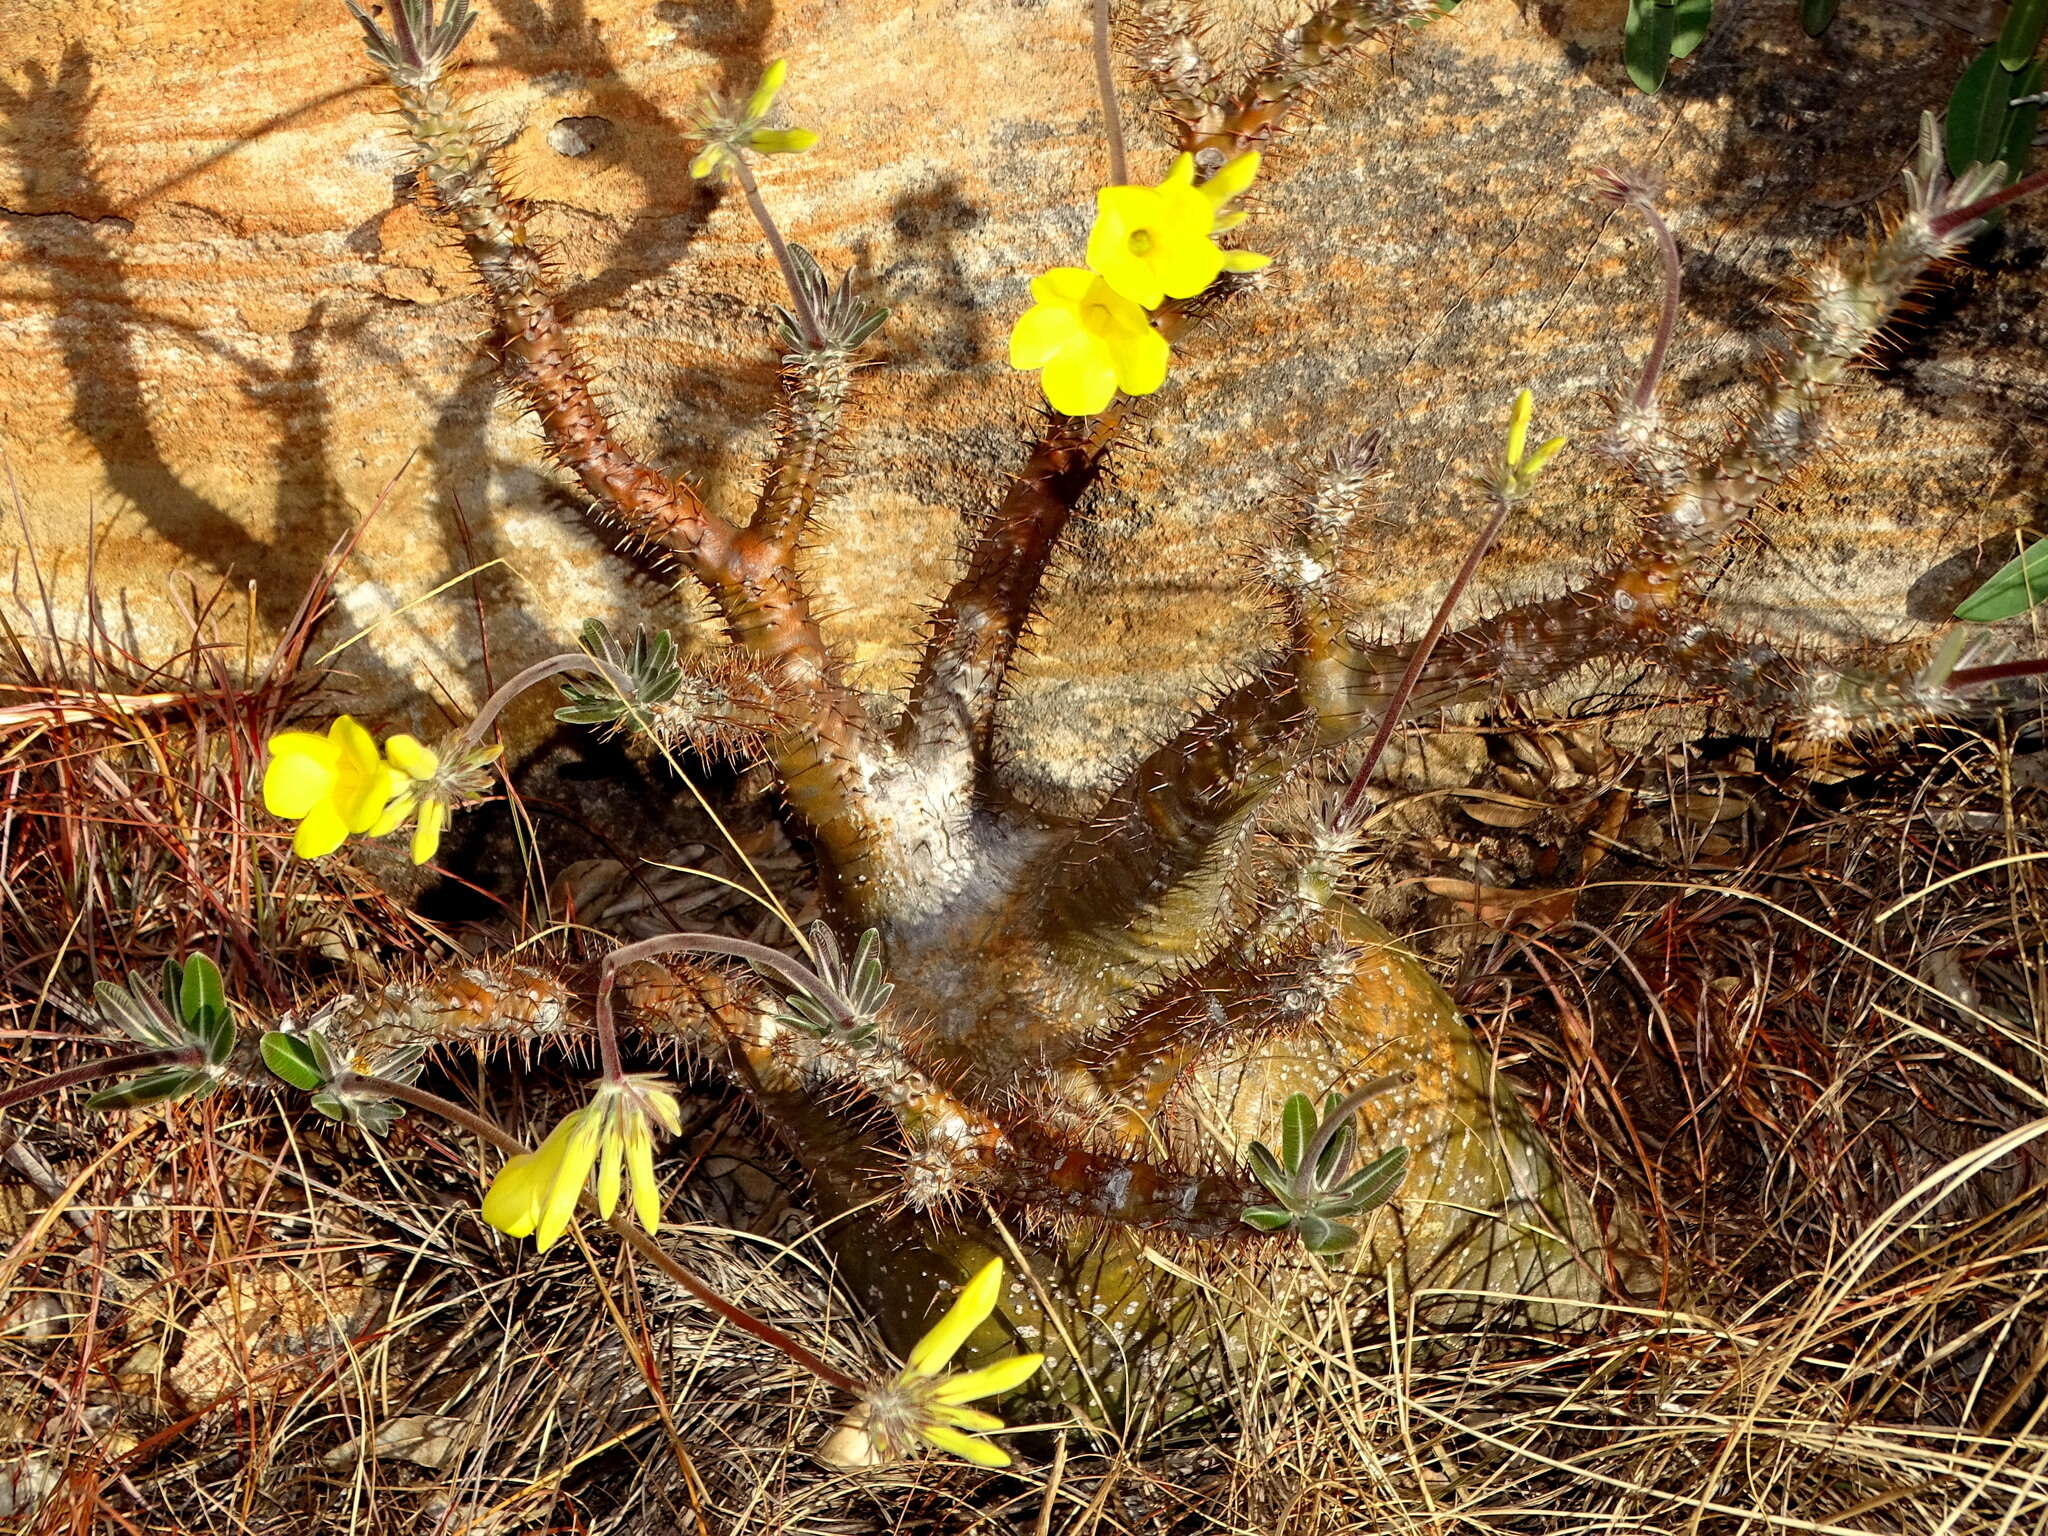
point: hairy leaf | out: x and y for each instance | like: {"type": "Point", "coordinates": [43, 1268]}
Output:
{"type": "Point", "coordinates": [157, 1087]}
{"type": "Point", "coordinates": [291, 1058]}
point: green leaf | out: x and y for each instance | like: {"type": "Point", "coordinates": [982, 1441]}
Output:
{"type": "Point", "coordinates": [1297, 1125]}
{"type": "Point", "coordinates": [2014, 588]}
{"type": "Point", "coordinates": [1646, 43]}
{"type": "Point", "coordinates": [1337, 1153]}
{"type": "Point", "coordinates": [2017, 147]}
{"type": "Point", "coordinates": [200, 993]}
{"type": "Point", "coordinates": [1268, 1218]}
{"type": "Point", "coordinates": [1978, 113]}
{"type": "Point", "coordinates": [291, 1058]}
{"type": "Point", "coordinates": [157, 1087]}
{"type": "Point", "coordinates": [1816, 16]}
{"type": "Point", "coordinates": [1689, 22]}
{"type": "Point", "coordinates": [1374, 1184]}
{"type": "Point", "coordinates": [1322, 1236]}
{"type": "Point", "coordinates": [2021, 34]}
{"type": "Point", "coordinates": [1267, 1167]}
{"type": "Point", "coordinates": [132, 1010]}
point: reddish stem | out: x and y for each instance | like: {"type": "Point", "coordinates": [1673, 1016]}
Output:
{"type": "Point", "coordinates": [92, 1071]}
{"type": "Point", "coordinates": [1349, 811]}
{"type": "Point", "coordinates": [1998, 672]}
{"type": "Point", "coordinates": [2025, 187]}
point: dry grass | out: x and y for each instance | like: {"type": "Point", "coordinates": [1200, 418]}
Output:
{"type": "Point", "coordinates": [1756, 1012]}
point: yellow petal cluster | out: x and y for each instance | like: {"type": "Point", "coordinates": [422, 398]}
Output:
{"type": "Point", "coordinates": [332, 785]}
{"type": "Point", "coordinates": [340, 785]}
{"type": "Point", "coordinates": [727, 132]}
{"type": "Point", "coordinates": [1089, 340]}
{"type": "Point", "coordinates": [922, 1403]}
{"type": "Point", "coordinates": [1519, 468]}
{"type": "Point", "coordinates": [536, 1193]}
{"type": "Point", "coordinates": [1090, 333]}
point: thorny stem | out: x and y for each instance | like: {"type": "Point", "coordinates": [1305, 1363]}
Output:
{"type": "Point", "coordinates": [92, 1071]}
{"type": "Point", "coordinates": [797, 973]}
{"type": "Point", "coordinates": [540, 671]}
{"type": "Point", "coordinates": [1105, 80]}
{"type": "Point", "coordinates": [1350, 811]}
{"type": "Point", "coordinates": [637, 1240]}
{"type": "Point", "coordinates": [814, 336]}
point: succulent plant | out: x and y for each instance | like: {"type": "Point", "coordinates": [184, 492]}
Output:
{"type": "Point", "coordinates": [1062, 1039]}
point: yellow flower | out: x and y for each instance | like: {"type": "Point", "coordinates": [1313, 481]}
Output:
{"type": "Point", "coordinates": [536, 1193]}
{"type": "Point", "coordinates": [1155, 243]}
{"type": "Point", "coordinates": [922, 1403]}
{"type": "Point", "coordinates": [727, 131]}
{"type": "Point", "coordinates": [1089, 340]}
{"type": "Point", "coordinates": [330, 785]}
{"type": "Point", "coordinates": [1519, 469]}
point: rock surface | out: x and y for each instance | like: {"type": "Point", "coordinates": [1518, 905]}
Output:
{"type": "Point", "coordinates": [226, 328]}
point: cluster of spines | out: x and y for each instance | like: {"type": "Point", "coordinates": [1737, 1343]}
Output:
{"type": "Point", "coordinates": [1163, 38]}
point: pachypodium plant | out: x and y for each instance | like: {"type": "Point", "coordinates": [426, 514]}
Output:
{"type": "Point", "coordinates": [1075, 1040]}
{"type": "Point", "coordinates": [1080, 1036]}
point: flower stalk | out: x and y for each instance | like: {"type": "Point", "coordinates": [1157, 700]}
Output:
{"type": "Point", "coordinates": [643, 1245]}
{"type": "Point", "coordinates": [93, 1071]}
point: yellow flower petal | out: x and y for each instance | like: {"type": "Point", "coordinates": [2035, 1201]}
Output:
{"type": "Point", "coordinates": [1230, 179]}
{"type": "Point", "coordinates": [764, 93]}
{"type": "Point", "coordinates": [426, 837]}
{"type": "Point", "coordinates": [970, 1309]}
{"type": "Point", "coordinates": [1040, 332]}
{"type": "Point", "coordinates": [576, 1140]}
{"type": "Point", "coordinates": [982, 1453]}
{"type": "Point", "coordinates": [989, 1380]}
{"type": "Point", "coordinates": [1063, 285]}
{"type": "Point", "coordinates": [1542, 456]}
{"type": "Point", "coordinates": [320, 832]}
{"type": "Point", "coordinates": [1186, 267]}
{"type": "Point", "coordinates": [640, 1169]}
{"type": "Point", "coordinates": [395, 814]}
{"type": "Point", "coordinates": [1245, 261]}
{"type": "Point", "coordinates": [781, 141]}
{"type": "Point", "coordinates": [410, 758]}
{"type": "Point", "coordinates": [1518, 426]}
{"type": "Point", "coordinates": [960, 1418]}
{"type": "Point", "coordinates": [296, 780]}
{"type": "Point", "coordinates": [512, 1203]}
{"type": "Point", "coordinates": [1080, 383]}
{"type": "Point", "coordinates": [1141, 362]}
{"type": "Point", "coordinates": [1182, 174]}
{"type": "Point", "coordinates": [363, 784]}
{"type": "Point", "coordinates": [609, 1163]}
{"type": "Point", "coordinates": [709, 161]}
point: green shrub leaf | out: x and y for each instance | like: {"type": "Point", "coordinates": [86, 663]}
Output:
{"type": "Point", "coordinates": [2021, 34]}
{"type": "Point", "coordinates": [2014, 588]}
{"type": "Point", "coordinates": [1646, 43]}
{"type": "Point", "coordinates": [1689, 22]}
{"type": "Point", "coordinates": [1816, 16]}
{"type": "Point", "coordinates": [1979, 110]}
